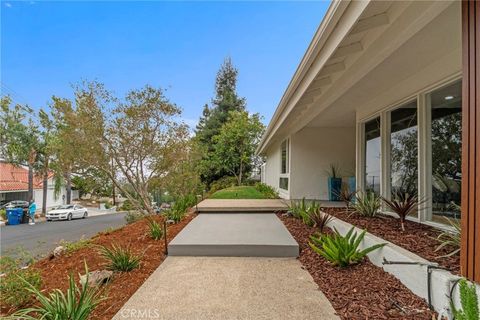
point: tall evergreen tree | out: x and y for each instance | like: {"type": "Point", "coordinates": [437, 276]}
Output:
{"type": "Point", "coordinates": [226, 100]}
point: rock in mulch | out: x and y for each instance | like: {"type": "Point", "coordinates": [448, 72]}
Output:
{"type": "Point", "coordinates": [362, 291]}
{"type": "Point", "coordinates": [58, 251]}
{"type": "Point", "coordinates": [97, 277]}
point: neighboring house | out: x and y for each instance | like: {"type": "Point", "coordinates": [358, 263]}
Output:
{"type": "Point", "coordinates": [14, 186]}
{"type": "Point", "coordinates": [379, 93]}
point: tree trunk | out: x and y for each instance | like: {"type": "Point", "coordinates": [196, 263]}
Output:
{"type": "Point", "coordinates": [45, 192]}
{"type": "Point", "coordinates": [240, 174]}
{"type": "Point", "coordinates": [68, 177]}
{"type": "Point", "coordinates": [30, 181]}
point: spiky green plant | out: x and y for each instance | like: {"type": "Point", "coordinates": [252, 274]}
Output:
{"type": "Point", "coordinates": [450, 238]}
{"type": "Point", "coordinates": [77, 304]}
{"type": "Point", "coordinates": [469, 302]}
{"type": "Point", "coordinates": [319, 219]}
{"type": "Point", "coordinates": [120, 259]}
{"type": "Point", "coordinates": [403, 205]}
{"type": "Point", "coordinates": [341, 250]}
{"type": "Point", "coordinates": [345, 195]}
{"type": "Point", "coordinates": [296, 208]}
{"type": "Point", "coordinates": [367, 204]}
{"type": "Point", "coordinates": [155, 230]}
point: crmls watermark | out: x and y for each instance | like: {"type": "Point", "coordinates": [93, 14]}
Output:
{"type": "Point", "coordinates": [140, 313]}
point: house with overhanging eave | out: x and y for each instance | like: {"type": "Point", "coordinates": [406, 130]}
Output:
{"type": "Point", "coordinates": [388, 93]}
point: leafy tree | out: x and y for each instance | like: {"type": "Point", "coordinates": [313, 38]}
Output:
{"type": "Point", "coordinates": [226, 100]}
{"type": "Point", "coordinates": [139, 134]}
{"type": "Point", "coordinates": [234, 146]}
{"type": "Point", "coordinates": [19, 138]}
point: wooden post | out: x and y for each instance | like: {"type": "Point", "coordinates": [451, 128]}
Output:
{"type": "Point", "coordinates": [470, 249]}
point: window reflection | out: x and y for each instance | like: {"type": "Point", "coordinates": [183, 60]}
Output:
{"type": "Point", "coordinates": [446, 119]}
{"type": "Point", "coordinates": [404, 150]}
{"type": "Point", "coordinates": [372, 155]}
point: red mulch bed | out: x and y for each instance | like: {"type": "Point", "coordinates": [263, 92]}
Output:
{"type": "Point", "coordinates": [55, 271]}
{"type": "Point", "coordinates": [417, 238]}
{"type": "Point", "coordinates": [362, 291]}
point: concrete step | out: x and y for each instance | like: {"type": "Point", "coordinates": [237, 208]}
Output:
{"type": "Point", "coordinates": [241, 206]}
{"type": "Point", "coordinates": [234, 235]}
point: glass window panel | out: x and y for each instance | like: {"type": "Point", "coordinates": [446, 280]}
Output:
{"type": "Point", "coordinates": [372, 155]}
{"type": "Point", "coordinates": [284, 152]}
{"type": "Point", "coordinates": [446, 120]}
{"type": "Point", "coordinates": [404, 150]}
{"type": "Point", "coordinates": [283, 184]}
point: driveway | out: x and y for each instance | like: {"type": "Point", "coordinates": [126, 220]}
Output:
{"type": "Point", "coordinates": [43, 237]}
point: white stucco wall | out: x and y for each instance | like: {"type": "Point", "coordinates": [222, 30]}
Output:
{"type": "Point", "coordinates": [313, 150]}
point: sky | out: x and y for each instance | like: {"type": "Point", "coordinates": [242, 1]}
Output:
{"type": "Point", "coordinates": [178, 46]}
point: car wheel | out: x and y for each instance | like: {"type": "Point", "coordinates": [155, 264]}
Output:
{"type": "Point", "coordinates": [69, 217]}
{"type": "Point", "coordinates": [85, 214]}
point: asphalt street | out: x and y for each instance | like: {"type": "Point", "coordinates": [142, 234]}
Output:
{"type": "Point", "coordinates": [43, 237]}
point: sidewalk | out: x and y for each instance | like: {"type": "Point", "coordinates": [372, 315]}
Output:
{"type": "Point", "coordinates": [228, 288]}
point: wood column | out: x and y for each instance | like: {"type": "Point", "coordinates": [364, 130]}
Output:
{"type": "Point", "coordinates": [470, 250]}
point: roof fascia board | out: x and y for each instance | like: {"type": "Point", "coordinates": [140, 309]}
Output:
{"type": "Point", "coordinates": [369, 61]}
{"type": "Point", "coordinates": [335, 26]}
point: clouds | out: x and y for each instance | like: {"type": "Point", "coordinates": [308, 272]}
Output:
{"type": "Point", "coordinates": [7, 4]}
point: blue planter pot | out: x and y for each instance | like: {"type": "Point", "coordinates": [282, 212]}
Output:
{"type": "Point", "coordinates": [334, 188]}
{"type": "Point", "coordinates": [352, 185]}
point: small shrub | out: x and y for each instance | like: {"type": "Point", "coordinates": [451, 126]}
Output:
{"type": "Point", "coordinates": [14, 292]}
{"type": "Point", "coordinates": [341, 250]}
{"type": "Point", "coordinates": [222, 183]}
{"type": "Point", "coordinates": [367, 204]}
{"type": "Point", "coordinates": [108, 205]}
{"type": "Point", "coordinates": [450, 238]}
{"type": "Point", "coordinates": [403, 205]}
{"type": "Point", "coordinates": [183, 203]}
{"type": "Point", "coordinates": [74, 246]}
{"type": "Point", "coordinates": [469, 302]}
{"type": "Point", "coordinates": [297, 208]}
{"type": "Point", "coordinates": [133, 216]}
{"type": "Point", "coordinates": [319, 219]}
{"type": "Point", "coordinates": [3, 214]}
{"type": "Point", "coordinates": [120, 259]}
{"type": "Point", "coordinates": [173, 214]}
{"type": "Point", "coordinates": [127, 205]}
{"type": "Point", "coordinates": [76, 304]}
{"type": "Point", "coordinates": [266, 190]}
{"type": "Point", "coordinates": [155, 229]}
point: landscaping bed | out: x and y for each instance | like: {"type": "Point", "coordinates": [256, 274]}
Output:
{"type": "Point", "coordinates": [417, 238]}
{"type": "Point", "coordinates": [55, 271]}
{"type": "Point", "coordinates": [362, 291]}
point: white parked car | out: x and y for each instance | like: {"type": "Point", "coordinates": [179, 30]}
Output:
{"type": "Point", "coordinates": [67, 212]}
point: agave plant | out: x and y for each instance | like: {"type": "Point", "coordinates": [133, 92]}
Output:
{"type": "Point", "coordinates": [341, 250]}
{"type": "Point", "coordinates": [450, 238]}
{"type": "Point", "coordinates": [319, 219]}
{"type": "Point", "coordinates": [403, 204]}
{"type": "Point", "coordinates": [76, 304]}
{"type": "Point", "coordinates": [367, 204]}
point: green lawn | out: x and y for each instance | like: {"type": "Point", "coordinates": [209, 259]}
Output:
{"type": "Point", "coordinates": [242, 192]}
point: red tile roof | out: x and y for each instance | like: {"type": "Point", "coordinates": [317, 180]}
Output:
{"type": "Point", "coordinates": [15, 178]}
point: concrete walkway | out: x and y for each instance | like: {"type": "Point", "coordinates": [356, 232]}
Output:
{"type": "Point", "coordinates": [228, 288]}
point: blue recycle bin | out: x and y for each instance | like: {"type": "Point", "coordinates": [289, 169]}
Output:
{"type": "Point", "coordinates": [14, 216]}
